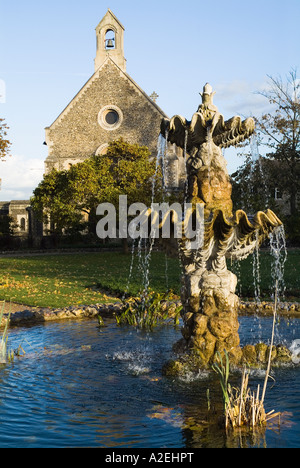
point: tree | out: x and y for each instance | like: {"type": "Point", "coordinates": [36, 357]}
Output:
{"type": "Point", "coordinates": [131, 173]}
{"type": "Point", "coordinates": [4, 143]}
{"type": "Point", "coordinates": [279, 131]}
{"type": "Point", "coordinates": [70, 198]}
{"type": "Point", "coordinates": [253, 185]}
{"type": "Point", "coordinates": [53, 204]}
{"type": "Point", "coordinates": [6, 230]}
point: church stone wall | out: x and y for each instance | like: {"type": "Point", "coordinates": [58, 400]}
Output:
{"type": "Point", "coordinates": [77, 133]}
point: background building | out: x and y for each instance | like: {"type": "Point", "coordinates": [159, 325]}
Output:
{"type": "Point", "coordinates": [111, 105]}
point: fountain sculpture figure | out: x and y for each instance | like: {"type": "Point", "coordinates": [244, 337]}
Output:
{"type": "Point", "coordinates": [210, 305]}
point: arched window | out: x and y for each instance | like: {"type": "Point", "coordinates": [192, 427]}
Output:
{"type": "Point", "coordinates": [110, 39]}
{"type": "Point", "coordinates": [102, 149]}
{"type": "Point", "coordinates": [278, 194]}
{"type": "Point", "coordinates": [23, 224]}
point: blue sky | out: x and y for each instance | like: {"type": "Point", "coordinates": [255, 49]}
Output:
{"type": "Point", "coordinates": [172, 47]}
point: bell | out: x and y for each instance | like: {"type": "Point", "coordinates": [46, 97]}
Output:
{"type": "Point", "coordinates": [109, 43]}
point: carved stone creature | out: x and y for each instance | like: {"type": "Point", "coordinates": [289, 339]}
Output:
{"type": "Point", "coordinates": [208, 294]}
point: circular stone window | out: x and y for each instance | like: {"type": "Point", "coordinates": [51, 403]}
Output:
{"type": "Point", "coordinates": [110, 117]}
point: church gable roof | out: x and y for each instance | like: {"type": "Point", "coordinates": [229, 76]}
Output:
{"type": "Point", "coordinates": [94, 77]}
{"type": "Point", "coordinates": [109, 15]}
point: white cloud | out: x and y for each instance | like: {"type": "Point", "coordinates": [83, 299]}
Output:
{"type": "Point", "coordinates": [19, 177]}
{"type": "Point", "coordinates": [241, 98]}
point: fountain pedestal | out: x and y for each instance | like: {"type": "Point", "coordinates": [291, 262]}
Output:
{"type": "Point", "coordinates": [211, 316]}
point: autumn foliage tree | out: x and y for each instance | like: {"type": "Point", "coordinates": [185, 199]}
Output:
{"type": "Point", "coordinates": [278, 169]}
{"type": "Point", "coordinates": [4, 142]}
{"type": "Point", "coordinates": [280, 133]}
{"type": "Point", "coordinates": [253, 185]}
{"type": "Point", "coordinates": [69, 199]}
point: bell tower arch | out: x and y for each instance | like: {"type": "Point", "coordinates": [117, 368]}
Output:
{"type": "Point", "coordinates": [110, 41]}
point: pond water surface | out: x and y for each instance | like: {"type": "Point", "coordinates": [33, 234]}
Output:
{"type": "Point", "coordinates": [82, 386]}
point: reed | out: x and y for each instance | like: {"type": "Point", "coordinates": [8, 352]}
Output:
{"type": "Point", "coordinates": [242, 407]}
{"type": "Point", "coordinates": [222, 369]}
{"type": "Point", "coordinates": [272, 341]}
{"type": "Point", "coordinates": [5, 355]}
{"type": "Point", "coordinates": [149, 310]}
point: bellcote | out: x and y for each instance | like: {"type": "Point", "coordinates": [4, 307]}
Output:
{"type": "Point", "coordinates": [110, 41]}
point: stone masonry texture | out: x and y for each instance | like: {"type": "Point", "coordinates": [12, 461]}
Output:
{"type": "Point", "coordinates": [76, 134]}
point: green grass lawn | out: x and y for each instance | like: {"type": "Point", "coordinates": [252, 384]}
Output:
{"type": "Point", "coordinates": [244, 272]}
{"type": "Point", "coordinates": [87, 278]}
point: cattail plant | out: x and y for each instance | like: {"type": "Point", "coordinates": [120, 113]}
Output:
{"type": "Point", "coordinates": [242, 407]}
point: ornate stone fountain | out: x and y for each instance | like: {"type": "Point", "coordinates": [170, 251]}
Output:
{"type": "Point", "coordinates": [210, 305]}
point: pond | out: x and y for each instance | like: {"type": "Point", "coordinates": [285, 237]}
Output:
{"type": "Point", "coordinates": [79, 385]}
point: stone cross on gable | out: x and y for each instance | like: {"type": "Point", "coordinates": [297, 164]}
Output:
{"type": "Point", "coordinates": [154, 96]}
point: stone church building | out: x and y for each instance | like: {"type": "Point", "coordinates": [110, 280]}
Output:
{"type": "Point", "coordinates": [109, 106]}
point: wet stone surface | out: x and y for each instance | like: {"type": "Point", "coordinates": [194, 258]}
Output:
{"type": "Point", "coordinates": [23, 314]}
{"type": "Point", "coordinates": [36, 315]}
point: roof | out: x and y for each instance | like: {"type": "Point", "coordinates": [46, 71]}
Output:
{"type": "Point", "coordinates": [93, 78]}
{"type": "Point", "coordinates": [109, 12]}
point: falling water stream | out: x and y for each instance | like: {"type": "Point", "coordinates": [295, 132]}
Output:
{"type": "Point", "coordinates": [279, 255]}
{"type": "Point", "coordinates": [145, 246]}
{"type": "Point", "coordinates": [256, 285]}
{"type": "Point", "coordinates": [276, 240]}
{"type": "Point", "coordinates": [256, 160]}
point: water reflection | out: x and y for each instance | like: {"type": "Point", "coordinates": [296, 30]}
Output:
{"type": "Point", "coordinates": [81, 386]}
